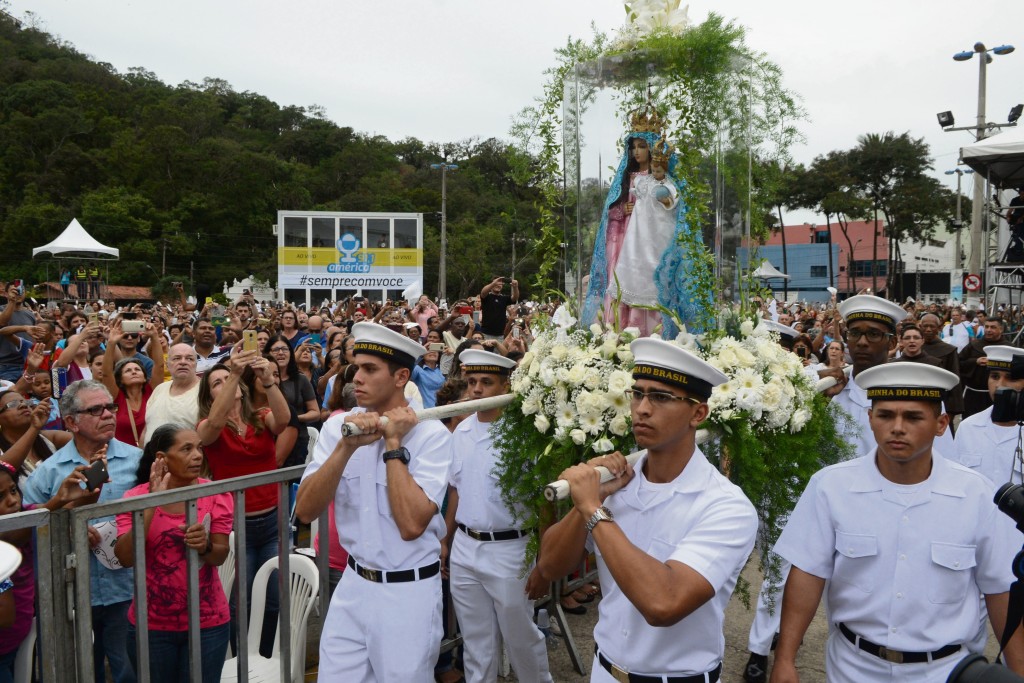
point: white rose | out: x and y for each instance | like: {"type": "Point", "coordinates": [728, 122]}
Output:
{"type": "Point", "coordinates": [619, 381]}
{"type": "Point", "coordinates": [746, 328]}
{"type": "Point", "coordinates": [562, 374]}
{"type": "Point", "coordinates": [625, 355]}
{"type": "Point", "coordinates": [578, 436]}
{"type": "Point", "coordinates": [727, 357]}
{"type": "Point", "coordinates": [560, 434]}
{"type": "Point", "coordinates": [592, 378]}
{"type": "Point", "coordinates": [633, 332]}
{"type": "Point", "coordinates": [603, 446]}
{"type": "Point", "coordinates": [541, 424]}
{"type": "Point", "coordinates": [799, 419]}
{"type": "Point", "coordinates": [618, 425]}
{"type": "Point", "coordinates": [576, 374]}
{"type": "Point", "coordinates": [745, 359]}
{"type": "Point", "coordinates": [559, 352]}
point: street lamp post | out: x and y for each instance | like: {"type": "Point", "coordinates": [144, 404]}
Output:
{"type": "Point", "coordinates": [442, 269]}
{"type": "Point", "coordinates": [974, 263]}
{"type": "Point", "coordinates": [958, 258]}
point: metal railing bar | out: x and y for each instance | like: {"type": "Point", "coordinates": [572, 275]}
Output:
{"type": "Point", "coordinates": [192, 560]}
{"type": "Point", "coordinates": [83, 592]}
{"type": "Point", "coordinates": [241, 580]}
{"type": "Point", "coordinates": [323, 561]}
{"type": "Point", "coordinates": [284, 579]}
{"type": "Point", "coordinates": [141, 597]}
{"type": "Point", "coordinates": [33, 519]}
{"type": "Point", "coordinates": [47, 639]}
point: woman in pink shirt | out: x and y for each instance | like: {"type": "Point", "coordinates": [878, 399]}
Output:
{"type": "Point", "coordinates": [173, 459]}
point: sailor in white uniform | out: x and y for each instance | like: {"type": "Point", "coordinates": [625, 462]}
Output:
{"type": "Point", "coordinates": [671, 534]}
{"type": "Point", "coordinates": [491, 593]}
{"type": "Point", "coordinates": [906, 543]}
{"type": "Point", "coordinates": [384, 622]}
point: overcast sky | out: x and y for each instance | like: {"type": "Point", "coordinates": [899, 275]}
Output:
{"type": "Point", "coordinates": [443, 70]}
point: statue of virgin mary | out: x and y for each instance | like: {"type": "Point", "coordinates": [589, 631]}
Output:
{"type": "Point", "coordinates": [639, 260]}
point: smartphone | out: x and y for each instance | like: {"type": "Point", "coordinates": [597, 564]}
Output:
{"type": "Point", "coordinates": [464, 310]}
{"type": "Point", "coordinates": [515, 333]}
{"type": "Point", "coordinates": [93, 317]}
{"type": "Point", "coordinates": [209, 300]}
{"type": "Point", "coordinates": [19, 285]}
{"type": "Point", "coordinates": [95, 475]}
{"type": "Point", "coordinates": [218, 320]}
{"type": "Point", "coordinates": [249, 340]}
{"type": "Point", "coordinates": [263, 322]}
{"type": "Point", "coordinates": [314, 338]}
{"type": "Point", "coordinates": [133, 326]}
{"type": "Point", "coordinates": [436, 347]}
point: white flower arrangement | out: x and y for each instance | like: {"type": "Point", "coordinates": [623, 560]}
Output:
{"type": "Point", "coordinates": [576, 380]}
{"type": "Point", "coordinates": [645, 17]}
{"type": "Point", "coordinates": [767, 385]}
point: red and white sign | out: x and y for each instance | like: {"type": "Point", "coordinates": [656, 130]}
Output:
{"type": "Point", "coordinates": [972, 283]}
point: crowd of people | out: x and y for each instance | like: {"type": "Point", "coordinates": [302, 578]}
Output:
{"type": "Point", "coordinates": [168, 396]}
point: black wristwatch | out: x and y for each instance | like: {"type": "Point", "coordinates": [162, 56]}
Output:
{"type": "Point", "coordinates": [399, 453]}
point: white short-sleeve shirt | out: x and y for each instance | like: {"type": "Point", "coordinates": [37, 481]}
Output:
{"type": "Point", "coordinates": [473, 461]}
{"type": "Point", "coordinates": [906, 566]}
{"type": "Point", "coordinates": [700, 519]}
{"type": "Point", "coordinates": [987, 448]}
{"type": "Point", "coordinates": [366, 525]}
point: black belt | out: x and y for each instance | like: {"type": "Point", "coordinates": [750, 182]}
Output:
{"type": "Point", "coordinates": [399, 576]}
{"type": "Point", "coordinates": [896, 656]}
{"type": "Point", "coordinates": [623, 676]}
{"type": "Point", "coordinates": [509, 535]}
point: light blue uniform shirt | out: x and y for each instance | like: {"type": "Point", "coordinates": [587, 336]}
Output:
{"type": "Point", "coordinates": [108, 586]}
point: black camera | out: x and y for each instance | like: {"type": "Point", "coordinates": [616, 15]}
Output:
{"type": "Point", "coordinates": [976, 669]}
{"type": "Point", "coordinates": [1009, 499]}
{"type": "Point", "coordinates": [1008, 404]}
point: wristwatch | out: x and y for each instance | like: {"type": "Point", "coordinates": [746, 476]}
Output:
{"type": "Point", "coordinates": [399, 453]}
{"type": "Point", "coordinates": [601, 514]}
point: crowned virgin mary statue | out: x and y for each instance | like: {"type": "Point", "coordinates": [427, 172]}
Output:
{"type": "Point", "coordinates": [639, 260]}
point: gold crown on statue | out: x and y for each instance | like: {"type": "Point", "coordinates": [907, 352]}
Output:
{"type": "Point", "coordinates": [645, 120]}
{"type": "Point", "coordinates": [662, 151]}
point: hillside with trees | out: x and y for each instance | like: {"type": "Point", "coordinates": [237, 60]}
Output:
{"type": "Point", "coordinates": [196, 172]}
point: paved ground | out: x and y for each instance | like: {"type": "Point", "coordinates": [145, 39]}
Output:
{"type": "Point", "coordinates": [810, 662]}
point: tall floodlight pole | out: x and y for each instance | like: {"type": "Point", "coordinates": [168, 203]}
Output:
{"type": "Point", "coordinates": [442, 268]}
{"type": "Point", "coordinates": [958, 260]}
{"type": "Point", "coordinates": [980, 130]}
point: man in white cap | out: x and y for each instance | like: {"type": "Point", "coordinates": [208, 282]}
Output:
{"type": "Point", "coordinates": [983, 443]}
{"type": "Point", "coordinates": [493, 599]}
{"type": "Point", "coordinates": [870, 335]}
{"type": "Point", "coordinates": [906, 542]}
{"type": "Point", "coordinates": [386, 484]}
{"type": "Point", "coordinates": [670, 535]}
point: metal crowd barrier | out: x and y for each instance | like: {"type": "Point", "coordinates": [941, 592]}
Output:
{"type": "Point", "coordinates": [63, 586]}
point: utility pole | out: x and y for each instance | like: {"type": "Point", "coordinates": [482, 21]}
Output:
{"type": "Point", "coordinates": [442, 267]}
{"type": "Point", "coordinates": [958, 260]}
{"type": "Point", "coordinates": [978, 200]}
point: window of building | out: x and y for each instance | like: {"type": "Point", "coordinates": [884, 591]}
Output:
{"type": "Point", "coordinates": [295, 234]}
{"type": "Point", "coordinates": [863, 268]}
{"type": "Point", "coordinates": [819, 271]}
{"type": "Point", "coordinates": [821, 237]}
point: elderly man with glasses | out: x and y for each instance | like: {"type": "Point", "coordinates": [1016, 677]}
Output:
{"type": "Point", "coordinates": [89, 413]}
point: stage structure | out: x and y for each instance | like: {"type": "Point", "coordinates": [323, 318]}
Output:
{"type": "Point", "coordinates": [331, 255]}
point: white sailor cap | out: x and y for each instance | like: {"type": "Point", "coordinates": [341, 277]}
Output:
{"type": "Point", "coordinates": [1000, 357]}
{"type": "Point", "coordinates": [10, 560]}
{"type": "Point", "coordinates": [378, 340]}
{"type": "Point", "coordinates": [475, 360]}
{"type": "Point", "coordinates": [663, 361]}
{"type": "Point", "coordinates": [906, 382]}
{"type": "Point", "coordinates": [868, 307]}
{"type": "Point", "coordinates": [784, 330]}
{"type": "Point", "coordinates": [410, 325]}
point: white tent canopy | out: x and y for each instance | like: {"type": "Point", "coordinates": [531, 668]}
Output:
{"type": "Point", "coordinates": [766, 271]}
{"type": "Point", "coordinates": [75, 242]}
{"type": "Point", "coordinates": [1000, 158]}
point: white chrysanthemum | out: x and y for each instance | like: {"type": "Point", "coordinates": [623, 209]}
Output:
{"type": "Point", "coordinates": [562, 375]}
{"type": "Point", "coordinates": [565, 416]}
{"type": "Point", "coordinates": [618, 400]}
{"type": "Point", "coordinates": [541, 424]}
{"type": "Point", "coordinates": [603, 446]}
{"type": "Point", "coordinates": [591, 423]}
{"type": "Point", "coordinates": [578, 436]}
{"type": "Point", "coordinates": [747, 328]}
{"type": "Point", "coordinates": [576, 374]}
{"type": "Point", "coordinates": [618, 425]}
{"type": "Point", "coordinates": [619, 381]}
{"type": "Point", "coordinates": [559, 352]}
{"type": "Point", "coordinates": [770, 396]}
{"type": "Point", "coordinates": [746, 379]}
{"type": "Point", "coordinates": [547, 375]}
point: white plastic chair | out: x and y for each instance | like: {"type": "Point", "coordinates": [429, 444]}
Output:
{"type": "Point", "coordinates": [304, 586]}
{"type": "Point", "coordinates": [26, 654]}
{"type": "Point", "coordinates": [314, 434]}
{"type": "Point", "coordinates": [227, 570]}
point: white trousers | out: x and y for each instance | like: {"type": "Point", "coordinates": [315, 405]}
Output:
{"type": "Point", "coordinates": [491, 603]}
{"type": "Point", "coordinates": [768, 617]}
{"type": "Point", "coordinates": [845, 663]}
{"type": "Point", "coordinates": [381, 631]}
